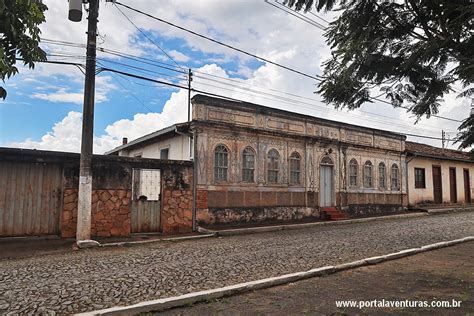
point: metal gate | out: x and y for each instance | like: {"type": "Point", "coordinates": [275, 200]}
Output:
{"type": "Point", "coordinates": [146, 204]}
{"type": "Point", "coordinates": [30, 198]}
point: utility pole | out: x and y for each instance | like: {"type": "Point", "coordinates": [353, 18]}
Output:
{"type": "Point", "coordinates": [443, 137]}
{"type": "Point", "coordinates": [190, 79]}
{"type": "Point", "coordinates": [85, 172]}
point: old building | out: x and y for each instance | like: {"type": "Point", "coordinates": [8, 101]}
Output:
{"type": "Point", "coordinates": [259, 164]}
{"type": "Point", "coordinates": [438, 176]}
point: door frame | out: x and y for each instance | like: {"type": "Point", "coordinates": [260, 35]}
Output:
{"type": "Point", "coordinates": [467, 186]}
{"type": "Point", "coordinates": [433, 167]}
{"type": "Point", "coordinates": [331, 168]}
{"type": "Point", "coordinates": [453, 198]}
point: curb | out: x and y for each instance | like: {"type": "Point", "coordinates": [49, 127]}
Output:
{"type": "Point", "coordinates": [191, 298]}
{"type": "Point", "coordinates": [264, 229]}
{"type": "Point", "coordinates": [448, 211]}
{"type": "Point", "coordinates": [141, 242]}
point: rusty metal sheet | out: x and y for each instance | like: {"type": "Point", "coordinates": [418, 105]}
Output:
{"type": "Point", "coordinates": [30, 198]}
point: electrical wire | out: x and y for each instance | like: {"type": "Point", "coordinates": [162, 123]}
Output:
{"type": "Point", "coordinates": [242, 83]}
{"type": "Point", "coordinates": [186, 88]}
{"type": "Point", "coordinates": [296, 14]}
{"type": "Point", "coordinates": [218, 42]}
{"type": "Point", "coordinates": [147, 37]}
{"type": "Point", "coordinates": [318, 78]}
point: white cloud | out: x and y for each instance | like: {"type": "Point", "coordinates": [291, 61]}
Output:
{"type": "Point", "coordinates": [180, 57]}
{"type": "Point", "coordinates": [64, 136]}
{"type": "Point", "coordinates": [63, 95]}
{"type": "Point", "coordinates": [244, 24]}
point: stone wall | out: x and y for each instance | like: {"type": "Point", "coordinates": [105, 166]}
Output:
{"type": "Point", "coordinates": [357, 210]}
{"type": "Point", "coordinates": [110, 213]}
{"type": "Point", "coordinates": [112, 202]}
{"type": "Point", "coordinates": [177, 196]}
{"type": "Point", "coordinates": [253, 215]}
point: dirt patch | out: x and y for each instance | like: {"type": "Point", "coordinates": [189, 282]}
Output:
{"type": "Point", "coordinates": [441, 275]}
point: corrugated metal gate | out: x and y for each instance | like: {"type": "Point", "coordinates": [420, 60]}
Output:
{"type": "Point", "coordinates": [30, 198]}
{"type": "Point", "coordinates": [146, 204]}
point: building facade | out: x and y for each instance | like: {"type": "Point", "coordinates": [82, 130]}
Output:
{"type": "Point", "coordinates": [258, 164]}
{"type": "Point", "coordinates": [438, 176]}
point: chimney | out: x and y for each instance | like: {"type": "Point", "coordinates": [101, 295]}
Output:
{"type": "Point", "coordinates": [124, 141]}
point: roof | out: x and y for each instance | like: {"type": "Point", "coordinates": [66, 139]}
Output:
{"type": "Point", "coordinates": [260, 109]}
{"type": "Point", "coordinates": [162, 133]}
{"type": "Point", "coordinates": [424, 150]}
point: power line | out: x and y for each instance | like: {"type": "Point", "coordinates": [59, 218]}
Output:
{"type": "Point", "coordinates": [139, 59]}
{"type": "Point", "coordinates": [186, 88]}
{"type": "Point", "coordinates": [298, 104]}
{"type": "Point", "coordinates": [217, 42]}
{"type": "Point", "coordinates": [147, 37]}
{"type": "Point", "coordinates": [282, 92]}
{"type": "Point", "coordinates": [260, 92]}
{"type": "Point", "coordinates": [296, 14]}
{"type": "Point", "coordinates": [276, 97]}
{"type": "Point", "coordinates": [142, 69]}
{"type": "Point", "coordinates": [249, 54]}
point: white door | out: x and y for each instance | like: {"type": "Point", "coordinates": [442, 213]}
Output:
{"type": "Point", "coordinates": [325, 185]}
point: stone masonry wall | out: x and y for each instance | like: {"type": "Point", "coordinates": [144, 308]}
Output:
{"type": "Point", "coordinates": [110, 213]}
{"type": "Point", "coordinates": [231, 216]}
{"type": "Point", "coordinates": [176, 214]}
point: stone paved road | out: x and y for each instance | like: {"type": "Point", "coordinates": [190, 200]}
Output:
{"type": "Point", "coordinates": [99, 278]}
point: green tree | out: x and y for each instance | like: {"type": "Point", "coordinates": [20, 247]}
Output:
{"type": "Point", "coordinates": [19, 36]}
{"type": "Point", "coordinates": [414, 50]}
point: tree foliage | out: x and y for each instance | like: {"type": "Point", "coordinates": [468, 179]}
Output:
{"type": "Point", "coordinates": [19, 35]}
{"type": "Point", "coordinates": [414, 50]}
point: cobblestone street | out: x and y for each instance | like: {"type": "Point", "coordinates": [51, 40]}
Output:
{"type": "Point", "coordinates": [99, 278]}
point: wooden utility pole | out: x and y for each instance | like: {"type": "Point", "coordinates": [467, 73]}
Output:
{"type": "Point", "coordinates": [85, 173]}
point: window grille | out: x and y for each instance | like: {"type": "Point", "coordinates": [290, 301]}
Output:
{"type": "Point", "coordinates": [221, 163]}
{"type": "Point", "coordinates": [248, 165]}
{"type": "Point", "coordinates": [353, 167]}
{"type": "Point", "coordinates": [295, 168]}
{"type": "Point", "coordinates": [273, 160]}
{"type": "Point", "coordinates": [368, 174]}
{"type": "Point", "coordinates": [395, 178]}
{"type": "Point", "coordinates": [146, 184]}
{"type": "Point", "coordinates": [382, 184]}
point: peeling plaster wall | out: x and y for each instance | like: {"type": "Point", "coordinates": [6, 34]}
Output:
{"type": "Point", "coordinates": [237, 127]}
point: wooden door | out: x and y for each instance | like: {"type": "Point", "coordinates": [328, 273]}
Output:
{"type": "Point", "coordinates": [452, 185]}
{"type": "Point", "coordinates": [325, 184]}
{"type": "Point", "coordinates": [467, 186]}
{"type": "Point", "coordinates": [437, 185]}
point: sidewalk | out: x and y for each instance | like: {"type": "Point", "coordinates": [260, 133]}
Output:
{"type": "Point", "coordinates": [24, 247]}
{"type": "Point", "coordinates": [441, 275]}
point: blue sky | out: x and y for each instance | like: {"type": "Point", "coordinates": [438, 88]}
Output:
{"type": "Point", "coordinates": [43, 106]}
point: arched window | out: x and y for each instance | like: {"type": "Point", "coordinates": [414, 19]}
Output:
{"type": "Point", "coordinates": [273, 164]}
{"type": "Point", "coordinates": [326, 161]}
{"type": "Point", "coordinates": [221, 163]}
{"type": "Point", "coordinates": [248, 165]}
{"type": "Point", "coordinates": [395, 178]}
{"type": "Point", "coordinates": [382, 175]}
{"type": "Point", "coordinates": [368, 174]}
{"type": "Point", "coordinates": [295, 168]}
{"type": "Point", "coordinates": [353, 168]}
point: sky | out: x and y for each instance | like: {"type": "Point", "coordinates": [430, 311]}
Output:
{"type": "Point", "coordinates": [43, 107]}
